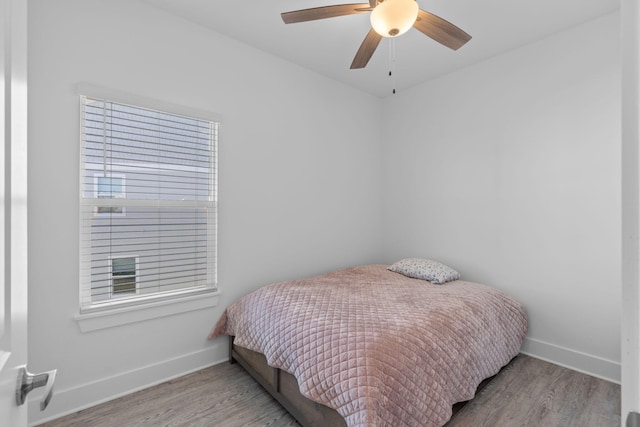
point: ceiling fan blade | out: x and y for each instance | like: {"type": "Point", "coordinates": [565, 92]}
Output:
{"type": "Point", "coordinates": [441, 30]}
{"type": "Point", "coordinates": [324, 12]}
{"type": "Point", "coordinates": [368, 46]}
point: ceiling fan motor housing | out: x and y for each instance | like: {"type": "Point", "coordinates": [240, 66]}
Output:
{"type": "Point", "coordinates": [391, 18]}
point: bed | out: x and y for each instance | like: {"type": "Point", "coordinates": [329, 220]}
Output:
{"type": "Point", "coordinates": [366, 346]}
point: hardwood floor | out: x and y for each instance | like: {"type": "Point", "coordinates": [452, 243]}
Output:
{"type": "Point", "coordinates": [529, 392]}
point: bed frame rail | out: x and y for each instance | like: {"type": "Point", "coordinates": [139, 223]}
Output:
{"type": "Point", "coordinates": [284, 388]}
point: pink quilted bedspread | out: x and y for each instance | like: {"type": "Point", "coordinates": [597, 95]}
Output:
{"type": "Point", "coordinates": [380, 348]}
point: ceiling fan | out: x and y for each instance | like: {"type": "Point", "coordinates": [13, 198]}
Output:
{"type": "Point", "coordinates": [389, 18]}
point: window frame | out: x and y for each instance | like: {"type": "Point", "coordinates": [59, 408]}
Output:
{"type": "Point", "coordinates": [113, 312]}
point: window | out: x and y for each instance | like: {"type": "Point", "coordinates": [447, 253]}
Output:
{"type": "Point", "coordinates": [148, 204]}
{"type": "Point", "coordinates": [123, 276]}
{"type": "Point", "coordinates": [109, 187]}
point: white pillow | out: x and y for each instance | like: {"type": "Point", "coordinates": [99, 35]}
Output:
{"type": "Point", "coordinates": [425, 269]}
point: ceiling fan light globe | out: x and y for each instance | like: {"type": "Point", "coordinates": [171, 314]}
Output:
{"type": "Point", "coordinates": [392, 18]}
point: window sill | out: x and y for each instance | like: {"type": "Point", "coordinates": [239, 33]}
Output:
{"type": "Point", "coordinates": [124, 315]}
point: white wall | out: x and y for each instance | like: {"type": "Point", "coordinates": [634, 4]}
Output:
{"type": "Point", "coordinates": [299, 181]}
{"type": "Point", "coordinates": [509, 171]}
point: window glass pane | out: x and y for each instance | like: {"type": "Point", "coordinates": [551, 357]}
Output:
{"type": "Point", "coordinates": [159, 236]}
{"type": "Point", "coordinates": [123, 266]}
{"type": "Point", "coordinates": [110, 187]}
{"type": "Point", "coordinates": [124, 285]}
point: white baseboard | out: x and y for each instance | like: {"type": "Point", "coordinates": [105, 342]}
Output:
{"type": "Point", "coordinates": [595, 366]}
{"type": "Point", "coordinates": [74, 399]}
{"type": "Point", "coordinates": [70, 400]}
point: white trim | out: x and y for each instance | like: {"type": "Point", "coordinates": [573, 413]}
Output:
{"type": "Point", "coordinates": [73, 399]}
{"type": "Point", "coordinates": [595, 366]}
{"type": "Point", "coordinates": [93, 321]}
{"type": "Point", "coordinates": [4, 358]}
{"type": "Point", "coordinates": [630, 132]}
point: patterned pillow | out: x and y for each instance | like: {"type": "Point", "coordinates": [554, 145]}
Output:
{"type": "Point", "coordinates": [425, 269]}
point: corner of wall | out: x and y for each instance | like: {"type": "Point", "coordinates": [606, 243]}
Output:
{"type": "Point", "coordinates": [594, 366]}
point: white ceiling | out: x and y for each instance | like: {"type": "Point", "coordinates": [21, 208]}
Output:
{"type": "Point", "coordinates": [328, 46]}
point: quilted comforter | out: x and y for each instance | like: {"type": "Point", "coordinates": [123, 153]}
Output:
{"type": "Point", "coordinates": [380, 348]}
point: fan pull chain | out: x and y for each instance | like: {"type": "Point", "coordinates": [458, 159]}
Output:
{"type": "Point", "coordinates": [392, 63]}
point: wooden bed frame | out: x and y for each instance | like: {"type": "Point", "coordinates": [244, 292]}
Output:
{"type": "Point", "coordinates": [284, 388]}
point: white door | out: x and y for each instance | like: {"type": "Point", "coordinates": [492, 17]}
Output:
{"type": "Point", "coordinates": [13, 208]}
{"type": "Point", "coordinates": [630, 13]}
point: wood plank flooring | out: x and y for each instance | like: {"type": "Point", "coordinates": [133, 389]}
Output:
{"type": "Point", "coordinates": [528, 392]}
{"type": "Point", "coordinates": [531, 392]}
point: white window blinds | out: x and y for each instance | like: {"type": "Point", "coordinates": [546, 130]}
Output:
{"type": "Point", "coordinates": [148, 204]}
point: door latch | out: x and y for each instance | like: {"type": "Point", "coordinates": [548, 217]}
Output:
{"type": "Point", "coordinates": [28, 381]}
